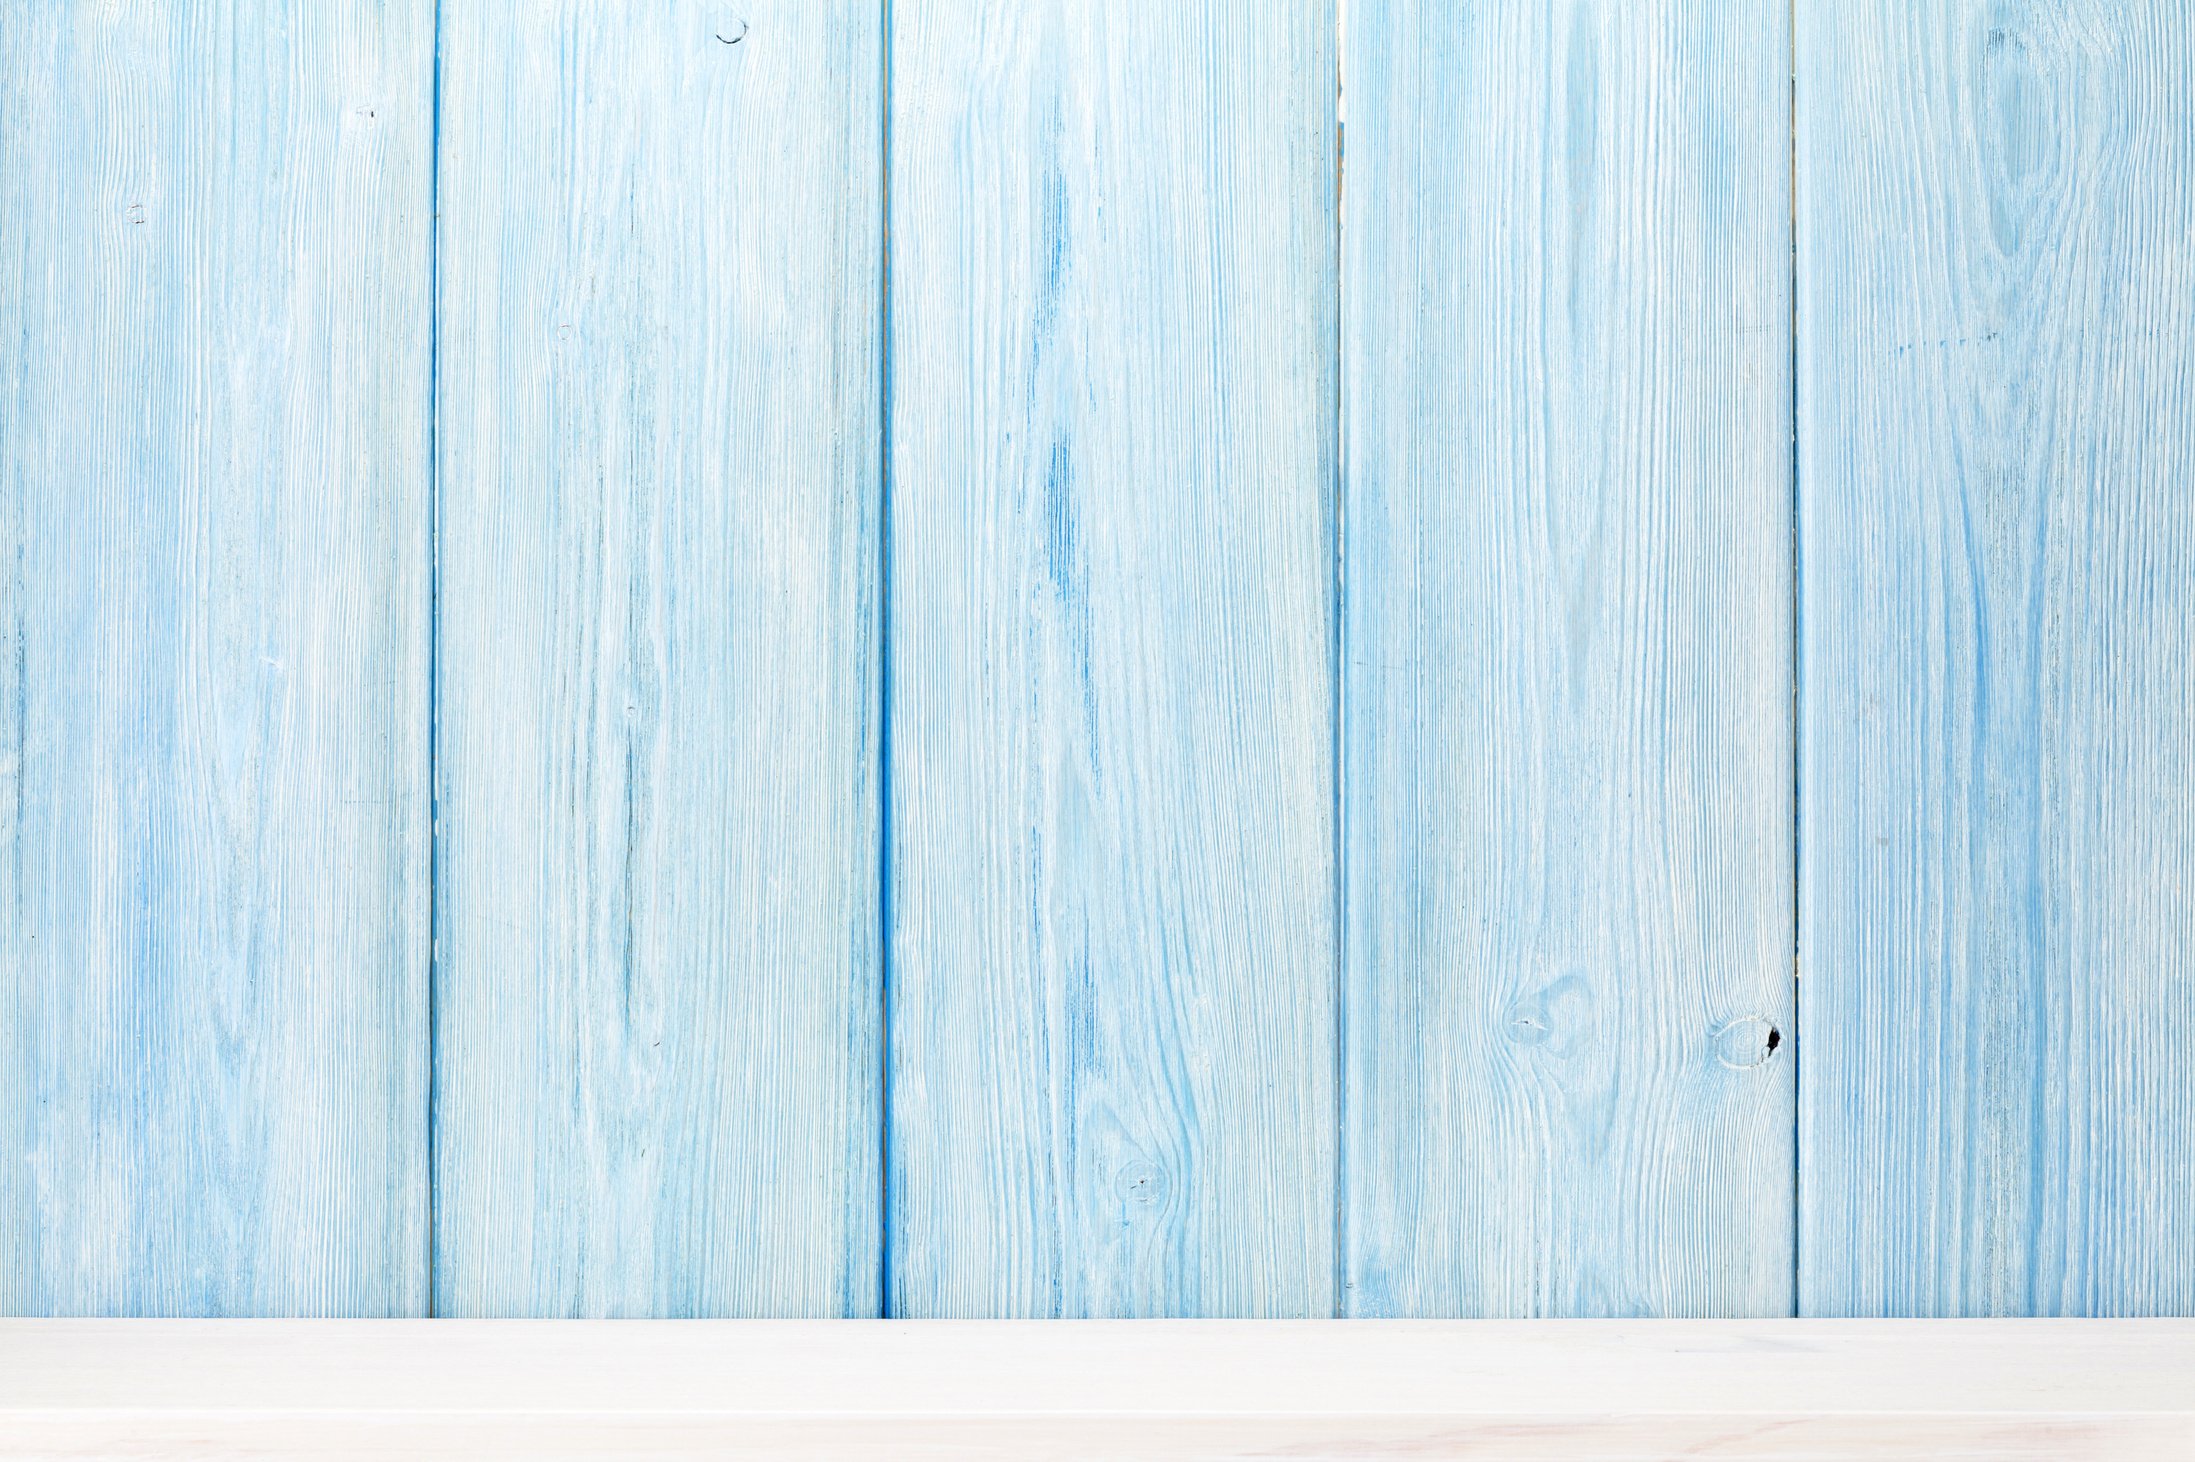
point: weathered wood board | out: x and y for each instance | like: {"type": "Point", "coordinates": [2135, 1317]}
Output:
{"type": "Point", "coordinates": [214, 618]}
{"type": "Point", "coordinates": [1110, 691]}
{"type": "Point", "coordinates": [658, 1005]}
{"type": "Point", "coordinates": [1996, 210]}
{"type": "Point", "coordinates": [1566, 719]}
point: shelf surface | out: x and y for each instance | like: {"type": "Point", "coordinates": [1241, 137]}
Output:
{"type": "Point", "coordinates": [2122, 1389]}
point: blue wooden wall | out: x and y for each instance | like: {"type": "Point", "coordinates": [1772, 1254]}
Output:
{"type": "Point", "coordinates": [1169, 657]}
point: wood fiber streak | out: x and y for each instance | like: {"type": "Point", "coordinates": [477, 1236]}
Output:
{"type": "Point", "coordinates": [1997, 413]}
{"type": "Point", "coordinates": [1567, 713]}
{"type": "Point", "coordinates": [1111, 897]}
{"type": "Point", "coordinates": [658, 1013]}
{"type": "Point", "coordinates": [214, 471]}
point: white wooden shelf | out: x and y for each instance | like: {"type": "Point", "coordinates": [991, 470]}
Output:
{"type": "Point", "coordinates": [2120, 1389]}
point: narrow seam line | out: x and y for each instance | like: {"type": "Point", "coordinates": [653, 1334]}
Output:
{"type": "Point", "coordinates": [884, 668]}
{"type": "Point", "coordinates": [434, 667]}
{"type": "Point", "coordinates": [1337, 745]}
{"type": "Point", "coordinates": [1798, 724]}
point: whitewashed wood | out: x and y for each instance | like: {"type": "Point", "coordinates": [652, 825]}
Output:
{"type": "Point", "coordinates": [1111, 422]}
{"type": "Point", "coordinates": [658, 1061]}
{"type": "Point", "coordinates": [1997, 437]}
{"type": "Point", "coordinates": [1754, 1390]}
{"type": "Point", "coordinates": [1567, 716]}
{"type": "Point", "coordinates": [215, 388]}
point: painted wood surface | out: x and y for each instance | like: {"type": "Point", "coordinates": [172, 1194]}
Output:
{"type": "Point", "coordinates": [658, 1020]}
{"type": "Point", "coordinates": [1997, 435]}
{"type": "Point", "coordinates": [1109, 685]}
{"type": "Point", "coordinates": [1567, 718]}
{"type": "Point", "coordinates": [2009, 1391]}
{"type": "Point", "coordinates": [1003, 699]}
{"type": "Point", "coordinates": [214, 469]}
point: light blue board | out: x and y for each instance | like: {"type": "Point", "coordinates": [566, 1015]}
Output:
{"type": "Point", "coordinates": [1997, 429]}
{"type": "Point", "coordinates": [214, 469]}
{"type": "Point", "coordinates": [1109, 685]}
{"type": "Point", "coordinates": [1567, 724]}
{"type": "Point", "coordinates": [658, 1016]}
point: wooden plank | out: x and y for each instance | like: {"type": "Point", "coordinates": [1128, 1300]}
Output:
{"type": "Point", "coordinates": [1111, 427]}
{"type": "Point", "coordinates": [1567, 676]}
{"type": "Point", "coordinates": [214, 473]}
{"type": "Point", "coordinates": [1997, 429]}
{"type": "Point", "coordinates": [658, 1023]}
{"type": "Point", "coordinates": [2113, 1390]}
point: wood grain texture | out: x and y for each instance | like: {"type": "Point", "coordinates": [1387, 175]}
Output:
{"type": "Point", "coordinates": [1567, 719]}
{"type": "Point", "coordinates": [214, 470]}
{"type": "Point", "coordinates": [1997, 413]}
{"type": "Point", "coordinates": [1111, 444]}
{"type": "Point", "coordinates": [658, 1078]}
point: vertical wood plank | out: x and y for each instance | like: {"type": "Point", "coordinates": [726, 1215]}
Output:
{"type": "Point", "coordinates": [1566, 659]}
{"type": "Point", "coordinates": [1997, 414]}
{"type": "Point", "coordinates": [658, 1015]}
{"type": "Point", "coordinates": [214, 468]}
{"type": "Point", "coordinates": [1111, 933]}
